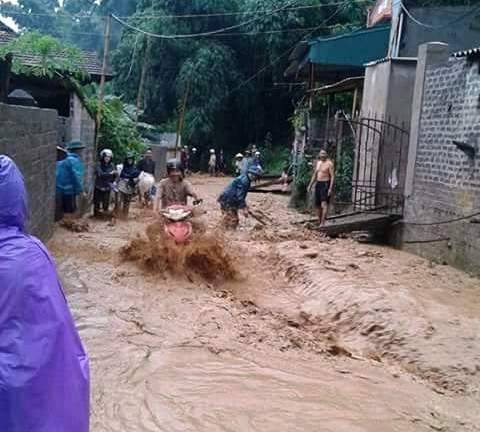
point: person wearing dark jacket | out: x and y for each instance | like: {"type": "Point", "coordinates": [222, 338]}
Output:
{"type": "Point", "coordinates": [233, 198]}
{"type": "Point", "coordinates": [147, 164]}
{"type": "Point", "coordinates": [129, 170]}
{"type": "Point", "coordinates": [104, 177]}
{"type": "Point", "coordinates": [129, 174]}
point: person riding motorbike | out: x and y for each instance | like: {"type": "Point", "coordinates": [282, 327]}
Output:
{"type": "Point", "coordinates": [128, 175]}
{"type": "Point", "coordinates": [174, 189]}
{"type": "Point", "coordinates": [233, 198]}
{"type": "Point", "coordinates": [104, 177]}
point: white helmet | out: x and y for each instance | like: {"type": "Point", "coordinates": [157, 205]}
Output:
{"type": "Point", "coordinates": [239, 156]}
{"type": "Point", "coordinates": [106, 152]}
{"type": "Point", "coordinates": [194, 149]}
{"type": "Point", "coordinates": [212, 151]}
{"type": "Point", "coordinates": [257, 153]}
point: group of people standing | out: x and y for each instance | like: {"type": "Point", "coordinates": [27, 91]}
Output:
{"type": "Point", "coordinates": [244, 161]}
{"type": "Point", "coordinates": [70, 175]}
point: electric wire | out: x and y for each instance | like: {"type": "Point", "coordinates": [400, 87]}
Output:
{"type": "Point", "coordinates": [439, 27]}
{"type": "Point", "coordinates": [194, 35]}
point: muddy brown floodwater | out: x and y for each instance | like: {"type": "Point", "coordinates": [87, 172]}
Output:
{"type": "Point", "coordinates": [312, 335]}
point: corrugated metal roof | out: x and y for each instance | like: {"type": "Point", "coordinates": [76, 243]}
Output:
{"type": "Point", "coordinates": [338, 87]}
{"type": "Point", "coordinates": [393, 59]}
{"type": "Point", "coordinates": [89, 62]}
{"type": "Point", "coordinates": [466, 53]}
{"type": "Point", "coordinates": [351, 49]}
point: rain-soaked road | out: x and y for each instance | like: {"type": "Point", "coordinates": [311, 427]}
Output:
{"type": "Point", "coordinates": [315, 335]}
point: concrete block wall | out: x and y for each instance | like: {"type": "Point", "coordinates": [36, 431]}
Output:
{"type": "Point", "coordinates": [446, 182]}
{"type": "Point", "coordinates": [29, 136]}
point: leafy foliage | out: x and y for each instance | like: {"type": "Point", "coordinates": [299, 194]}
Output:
{"type": "Point", "coordinates": [233, 98]}
{"type": "Point", "coordinates": [344, 173]}
{"type": "Point", "coordinates": [300, 195]}
{"type": "Point", "coordinates": [117, 131]}
{"type": "Point", "coordinates": [53, 55]}
{"type": "Point", "coordinates": [274, 158]}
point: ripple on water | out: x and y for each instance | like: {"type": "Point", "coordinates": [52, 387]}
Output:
{"type": "Point", "coordinates": [195, 390]}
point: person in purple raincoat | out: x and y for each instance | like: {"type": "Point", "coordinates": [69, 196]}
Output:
{"type": "Point", "coordinates": [44, 377]}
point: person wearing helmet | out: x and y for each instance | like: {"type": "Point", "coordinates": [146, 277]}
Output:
{"type": "Point", "coordinates": [233, 198]}
{"type": "Point", "coordinates": [193, 160]}
{"type": "Point", "coordinates": [105, 175]}
{"type": "Point", "coordinates": [257, 159]}
{"type": "Point", "coordinates": [129, 171]}
{"type": "Point", "coordinates": [128, 177]}
{"type": "Point", "coordinates": [238, 163]}
{"type": "Point", "coordinates": [44, 374]}
{"type": "Point", "coordinates": [174, 189]}
{"type": "Point", "coordinates": [212, 163]}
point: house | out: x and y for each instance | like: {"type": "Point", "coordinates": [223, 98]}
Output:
{"type": "Point", "coordinates": [414, 144]}
{"type": "Point", "coordinates": [59, 93]}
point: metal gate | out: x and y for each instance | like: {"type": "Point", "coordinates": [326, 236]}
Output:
{"type": "Point", "coordinates": [371, 160]}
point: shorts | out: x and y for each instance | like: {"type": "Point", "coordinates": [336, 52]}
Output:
{"type": "Point", "coordinates": [321, 193]}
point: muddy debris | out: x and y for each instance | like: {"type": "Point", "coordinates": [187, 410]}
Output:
{"type": "Point", "coordinates": [75, 225]}
{"type": "Point", "coordinates": [206, 255]}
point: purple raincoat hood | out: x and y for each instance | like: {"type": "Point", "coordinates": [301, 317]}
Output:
{"type": "Point", "coordinates": [44, 376]}
{"type": "Point", "coordinates": [13, 197]}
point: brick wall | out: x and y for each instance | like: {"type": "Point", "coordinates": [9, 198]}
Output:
{"type": "Point", "coordinates": [446, 181]}
{"type": "Point", "coordinates": [29, 136]}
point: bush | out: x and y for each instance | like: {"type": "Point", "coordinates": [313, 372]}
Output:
{"type": "Point", "coordinates": [300, 196]}
{"type": "Point", "coordinates": [344, 174]}
{"type": "Point", "coordinates": [117, 131]}
{"type": "Point", "coordinates": [274, 159]}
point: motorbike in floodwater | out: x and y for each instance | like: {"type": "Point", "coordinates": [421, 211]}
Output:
{"type": "Point", "coordinates": [127, 189]}
{"type": "Point", "coordinates": [178, 226]}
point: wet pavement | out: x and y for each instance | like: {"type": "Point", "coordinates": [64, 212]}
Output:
{"type": "Point", "coordinates": [314, 335]}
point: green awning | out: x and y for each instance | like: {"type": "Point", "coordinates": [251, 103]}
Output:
{"type": "Point", "coordinates": [351, 49]}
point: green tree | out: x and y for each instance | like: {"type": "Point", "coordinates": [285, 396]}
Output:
{"type": "Point", "coordinates": [53, 55]}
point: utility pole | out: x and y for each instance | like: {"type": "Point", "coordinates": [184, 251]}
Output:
{"type": "Point", "coordinates": [142, 79]}
{"type": "Point", "coordinates": [101, 90]}
{"type": "Point", "coordinates": [181, 118]}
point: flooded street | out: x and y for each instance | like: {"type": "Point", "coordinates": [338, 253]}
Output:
{"type": "Point", "coordinates": [312, 335]}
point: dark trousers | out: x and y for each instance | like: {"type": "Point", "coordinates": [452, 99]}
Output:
{"type": "Point", "coordinates": [101, 198]}
{"type": "Point", "coordinates": [69, 204]}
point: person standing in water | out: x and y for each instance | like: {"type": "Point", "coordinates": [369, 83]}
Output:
{"type": "Point", "coordinates": [323, 178]}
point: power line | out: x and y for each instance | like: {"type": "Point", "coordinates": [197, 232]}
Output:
{"type": "Point", "coordinates": [438, 27]}
{"type": "Point", "coordinates": [250, 33]}
{"type": "Point", "coordinates": [252, 12]}
{"type": "Point", "coordinates": [192, 35]}
{"type": "Point", "coordinates": [281, 56]}
{"type": "Point", "coordinates": [262, 70]}
{"type": "Point", "coordinates": [200, 15]}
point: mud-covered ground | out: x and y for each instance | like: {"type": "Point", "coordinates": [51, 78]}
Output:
{"type": "Point", "coordinates": [312, 335]}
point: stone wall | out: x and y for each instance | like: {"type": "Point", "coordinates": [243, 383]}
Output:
{"type": "Point", "coordinates": [29, 136]}
{"type": "Point", "coordinates": [446, 181]}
